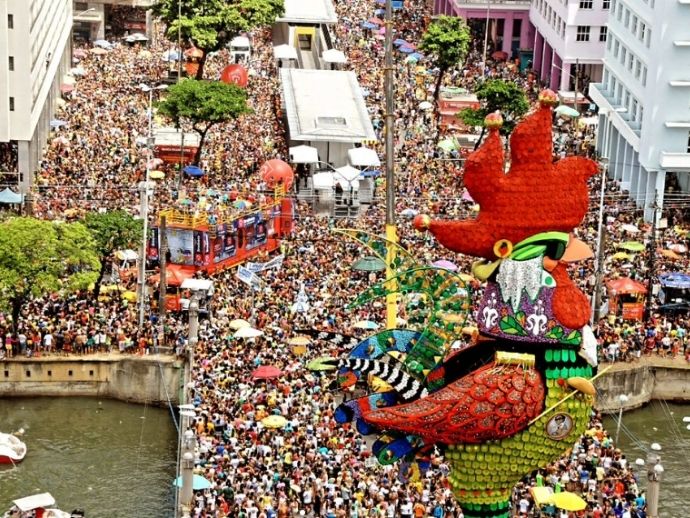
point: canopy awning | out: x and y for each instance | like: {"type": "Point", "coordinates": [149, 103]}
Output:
{"type": "Point", "coordinates": [239, 42]}
{"type": "Point", "coordinates": [675, 280]}
{"type": "Point", "coordinates": [29, 503]}
{"type": "Point", "coordinates": [304, 155]}
{"type": "Point", "coordinates": [334, 56]}
{"type": "Point", "coordinates": [175, 275]}
{"type": "Point", "coordinates": [126, 255]}
{"type": "Point", "coordinates": [9, 196]}
{"type": "Point", "coordinates": [625, 285]}
{"type": "Point", "coordinates": [363, 157]}
{"type": "Point", "coordinates": [285, 52]}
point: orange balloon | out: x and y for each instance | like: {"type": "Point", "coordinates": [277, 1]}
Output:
{"type": "Point", "coordinates": [276, 171]}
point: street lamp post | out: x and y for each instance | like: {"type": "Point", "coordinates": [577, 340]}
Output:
{"type": "Point", "coordinates": [654, 472]}
{"type": "Point", "coordinates": [622, 399]}
{"type": "Point", "coordinates": [145, 189]}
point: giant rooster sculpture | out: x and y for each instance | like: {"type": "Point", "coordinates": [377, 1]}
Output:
{"type": "Point", "coordinates": [520, 395]}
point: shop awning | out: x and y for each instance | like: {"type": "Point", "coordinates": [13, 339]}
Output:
{"type": "Point", "coordinates": [304, 155]}
{"type": "Point", "coordinates": [363, 157]}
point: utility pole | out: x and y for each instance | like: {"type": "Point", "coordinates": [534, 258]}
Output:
{"type": "Point", "coordinates": [391, 231]}
{"type": "Point", "coordinates": [29, 203]}
{"type": "Point", "coordinates": [601, 241]}
{"type": "Point", "coordinates": [141, 278]}
{"type": "Point", "coordinates": [179, 77]}
{"type": "Point", "coordinates": [651, 263]}
{"type": "Point", "coordinates": [163, 284]}
{"type": "Point", "coordinates": [486, 37]}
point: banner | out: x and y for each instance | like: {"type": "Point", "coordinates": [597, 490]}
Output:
{"type": "Point", "coordinates": [276, 262]}
{"type": "Point", "coordinates": [248, 277]}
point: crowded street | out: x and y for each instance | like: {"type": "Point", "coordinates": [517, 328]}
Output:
{"type": "Point", "coordinates": [311, 466]}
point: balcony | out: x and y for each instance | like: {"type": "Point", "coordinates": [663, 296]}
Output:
{"type": "Point", "coordinates": [674, 161]}
{"type": "Point", "coordinates": [495, 4]}
{"type": "Point", "coordinates": [617, 114]}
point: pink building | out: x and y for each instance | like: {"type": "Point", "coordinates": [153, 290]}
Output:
{"type": "Point", "coordinates": [509, 27]}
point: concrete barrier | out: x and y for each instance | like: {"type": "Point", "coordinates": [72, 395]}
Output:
{"type": "Point", "coordinates": [151, 379]}
{"type": "Point", "coordinates": [642, 381]}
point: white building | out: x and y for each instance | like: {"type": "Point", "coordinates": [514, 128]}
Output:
{"type": "Point", "coordinates": [644, 97]}
{"type": "Point", "coordinates": [34, 57]}
{"type": "Point", "coordinates": [569, 32]}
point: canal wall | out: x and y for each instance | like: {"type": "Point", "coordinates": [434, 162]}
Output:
{"type": "Point", "coordinates": [642, 381]}
{"type": "Point", "coordinates": [154, 379]}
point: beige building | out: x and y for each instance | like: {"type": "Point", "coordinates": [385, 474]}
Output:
{"type": "Point", "coordinates": [34, 58]}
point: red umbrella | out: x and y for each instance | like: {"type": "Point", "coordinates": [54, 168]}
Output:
{"type": "Point", "coordinates": [267, 372]}
{"type": "Point", "coordinates": [235, 74]}
{"type": "Point", "coordinates": [499, 55]}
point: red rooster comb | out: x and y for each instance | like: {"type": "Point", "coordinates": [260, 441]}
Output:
{"type": "Point", "coordinates": [536, 195]}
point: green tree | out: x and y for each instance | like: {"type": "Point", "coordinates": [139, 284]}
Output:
{"type": "Point", "coordinates": [447, 39]}
{"type": "Point", "coordinates": [38, 257]}
{"type": "Point", "coordinates": [211, 24]}
{"type": "Point", "coordinates": [112, 231]}
{"type": "Point", "coordinates": [496, 94]}
{"type": "Point", "coordinates": [203, 104]}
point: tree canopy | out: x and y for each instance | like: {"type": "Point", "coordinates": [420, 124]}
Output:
{"type": "Point", "coordinates": [447, 40]}
{"type": "Point", "coordinates": [39, 257]}
{"type": "Point", "coordinates": [112, 231]}
{"type": "Point", "coordinates": [203, 104]}
{"type": "Point", "coordinates": [211, 24]}
{"type": "Point", "coordinates": [497, 94]}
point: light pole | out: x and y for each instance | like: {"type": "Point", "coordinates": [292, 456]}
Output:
{"type": "Point", "coordinates": [654, 472]}
{"type": "Point", "coordinates": [145, 189]}
{"type": "Point", "coordinates": [391, 231]}
{"type": "Point", "coordinates": [622, 399]}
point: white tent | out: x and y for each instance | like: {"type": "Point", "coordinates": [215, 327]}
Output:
{"type": "Point", "coordinates": [334, 56]}
{"type": "Point", "coordinates": [347, 173]}
{"type": "Point", "coordinates": [363, 157]}
{"type": "Point", "coordinates": [304, 155]}
{"type": "Point", "coordinates": [285, 52]}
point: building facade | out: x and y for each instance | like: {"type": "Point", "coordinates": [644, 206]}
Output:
{"type": "Point", "coordinates": [569, 41]}
{"type": "Point", "coordinates": [34, 57]}
{"type": "Point", "coordinates": [509, 25]}
{"type": "Point", "coordinates": [644, 98]}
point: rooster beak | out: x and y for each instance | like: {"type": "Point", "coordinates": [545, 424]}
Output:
{"type": "Point", "coordinates": [577, 250]}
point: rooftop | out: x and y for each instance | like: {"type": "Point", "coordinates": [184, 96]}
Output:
{"type": "Point", "coordinates": [309, 11]}
{"type": "Point", "coordinates": [325, 105]}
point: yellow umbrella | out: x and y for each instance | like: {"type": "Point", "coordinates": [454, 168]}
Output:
{"type": "Point", "coordinates": [569, 501]}
{"type": "Point", "coordinates": [299, 340]}
{"type": "Point", "coordinates": [670, 254]}
{"type": "Point", "coordinates": [620, 256]}
{"type": "Point", "coordinates": [299, 350]}
{"type": "Point", "coordinates": [239, 323]}
{"type": "Point", "coordinates": [156, 175]}
{"type": "Point", "coordinates": [129, 296]}
{"type": "Point", "coordinates": [542, 495]}
{"type": "Point", "coordinates": [274, 421]}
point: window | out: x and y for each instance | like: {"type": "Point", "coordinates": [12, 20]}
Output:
{"type": "Point", "coordinates": [616, 48]}
{"type": "Point", "coordinates": [627, 18]}
{"type": "Point", "coordinates": [10, 21]}
{"type": "Point", "coordinates": [643, 31]}
{"type": "Point", "coordinates": [606, 4]}
{"type": "Point", "coordinates": [603, 31]}
{"type": "Point", "coordinates": [635, 105]}
{"type": "Point", "coordinates": [586, 4]}
{"type": "Point", "coordinates": [688, 148]}
{"type": "Point", "coordinates": [11, 63]}
{"type": "Point", "coordinates": [644, 76]}
{"type": "Point", "coordinates": [11, 104]}
{"type": "Point", "coordinates": [582, 33]}
{"type": "Point", "coordinates": [638, 68]}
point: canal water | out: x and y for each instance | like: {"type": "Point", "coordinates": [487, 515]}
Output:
{"type": "Point", "coordinates": [110, 458]}
{"type": "Point", "coordinates": [661, 423]}
{"type": "Point", "coordinates": [114, 459]}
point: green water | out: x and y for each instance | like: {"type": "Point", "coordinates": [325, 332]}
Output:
{"type": "Point", "coordinates": [661, 423]}
{"type": "Point", "coordinates": [110, 458]}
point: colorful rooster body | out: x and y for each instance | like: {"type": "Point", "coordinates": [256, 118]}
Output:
{"type": "Point", "coordinates": [519, 396]}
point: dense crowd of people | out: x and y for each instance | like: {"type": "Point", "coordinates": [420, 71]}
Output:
{"type": "Point", "coordinates": [310, 466]}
